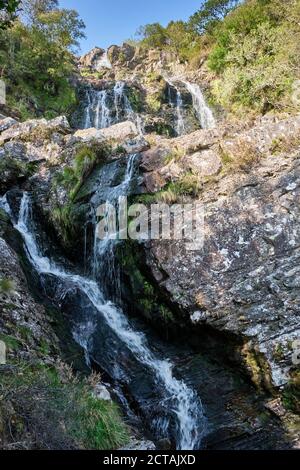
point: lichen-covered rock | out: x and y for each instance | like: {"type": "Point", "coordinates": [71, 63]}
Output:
{"type": "Point", "coordinates": [139, 445]}
{"type": "Point", "coordinates": [24, 324]}
{"type": "Point", "coordinates": [206, 163]}
{"type": "Point", "coordinates": [6, 123]}
{"type": "Point", "coordinates": [245, 281]}
{"type": "Point", "coordinates": [34, 128]}
{"type": "Point", "coordinates": [118, 132]}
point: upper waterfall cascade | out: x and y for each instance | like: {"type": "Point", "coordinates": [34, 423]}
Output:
{"type": "Point", "coordinates": [204, 113]}
{"type": "Point", "coordinates": [104, 62]}
{"type": "Point", "coordinates": [178, 104]}
{"type": "Point", "coordinates": [109, 106]}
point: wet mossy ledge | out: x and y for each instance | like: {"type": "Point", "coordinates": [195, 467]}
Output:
{"type": "Point", "coordinates": [70, 193]}
{"type": "Point", "coordinates": [139, 291]}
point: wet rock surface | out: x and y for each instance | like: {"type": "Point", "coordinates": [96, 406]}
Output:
{"type": "Point", "coordinates": [240, 293]}
{"type": "Point", "coordinates": [244, 280]}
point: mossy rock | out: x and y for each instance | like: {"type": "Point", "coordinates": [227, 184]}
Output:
{"type": "Point", "coordinates": [139, 286]}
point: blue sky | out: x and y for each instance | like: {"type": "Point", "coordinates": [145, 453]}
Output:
{"type": "Point", "coordinates": [113, 21]}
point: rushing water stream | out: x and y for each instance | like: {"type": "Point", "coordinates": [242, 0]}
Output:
{"type": "Point", "coordinates": [171, 408]}
{"type": "Point", "coordinates": [167, 406]}
{"type": "Point", "coordinates": [204, 113]}
{"type": "Point", "coordinates": [110, 106]}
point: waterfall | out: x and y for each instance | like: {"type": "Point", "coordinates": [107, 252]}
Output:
{"type": "Point", "coordinates": [103, 250]}
{"type": "Point", "coordinates": [180, 127]}
{"type": "Point", "coordinates": [179, 402]}
{"type": "Point", "coordinates": [97, 112]}
{"type": "Point", "coordinates": [103, 63]}
{"type": "Point", "coordinates": [180, 124]}
{"type": "Point", "coordinates": [204, 114]}
{"type": "Point", "coordinates": [4, 204]}
{"type": "Point", "coordinates": [110, 106]}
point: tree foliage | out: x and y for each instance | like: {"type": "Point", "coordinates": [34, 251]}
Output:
{"type": "Point", "coordinates": [256, 56]}
{"type": "Point", "coordinates": [8, 10]}
{"type": "Point", "coordinates": [211, 13]}
{"type": "Point", "coordinates": [252, 46]}
{"type": "Point", "coordinates": [36, 59]}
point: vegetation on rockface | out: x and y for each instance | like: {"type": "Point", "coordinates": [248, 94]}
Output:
{"type": "Point", "coordinates": [12, 170]}
{"type": "Point", "coordinates": [48, 407]}
{"type": "Point", "coordinates": [186, 186]}
{"type": "Point", "coordinates": [148, 300]}
{"type": "Point", "coordinates": [135, 98]}
{"type": "Point", "coordinates": [67, 218]}
{"type": "Point", "coordinates": [256, 55]}
{"type": "Point", "coordinates": [6, 286]}
{"type": "Point", "coordinates": [36, 59]}
{"type": "Point", "coordinates": [251, 46]}
{"type": "Point", "coordinates": [291, 394]}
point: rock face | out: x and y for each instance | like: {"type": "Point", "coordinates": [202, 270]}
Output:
{"type": "Point", "coordinates": [242, 288]}
{"type": "Point", "coordinates": [140, 445]}
{"type": "Point", "coordinates": [21, 317]}
{"type": "Point", "coordinates": [92, 58]}
{"type": "Point", "coordinates": [25, 129]}
{"type": "Point", "coordinates": [245, 279]}
{"type": "Point", "coordinates": [118, 132]}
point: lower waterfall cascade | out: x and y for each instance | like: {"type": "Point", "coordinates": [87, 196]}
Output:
{"type": "Point", "coordinates": [182, 417]}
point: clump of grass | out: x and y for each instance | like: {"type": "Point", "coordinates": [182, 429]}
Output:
{"type": "Point", "coordinates": [12, 343]}
{"type": "Point", "coordinates": [57, 410]}
{"type": "Point", "coordinates": [278, 352]}
{"type": "Point", "coordinates": [166, 314]}
{"type": "Point", "coordinates": [175, 155]}
{"type": "Point", "coordinates": [7, 286]}
{"type": "Point", "coordinates": [71, 179]}
{"type": "Point", "coordinates": [242, 157]}
{"type": "Point", "coordinates": [85, 160]}
{"type": "Point", "coordinates": [291, 394]}
{"type": "Point", "coordinates": [286, 143]}
{"type": "Point", "coordinates": [187, 185]}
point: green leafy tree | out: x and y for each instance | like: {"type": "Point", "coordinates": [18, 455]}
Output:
{"type": "Point", "coordinates": [8, 11]}
{"type": "Point", "coordinates": [181, 39]}
{"type": "Point", "coordinates": [211, 13]}
{"type": "Point", "coordinates": [256, 56]}
{"type": "Point", "coordinates": [36, 61]}
{"type": "Point", "coordinates": [153, 35]}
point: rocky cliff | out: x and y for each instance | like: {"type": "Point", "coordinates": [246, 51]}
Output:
{"type": "Point", "coordinates": [230, 309]}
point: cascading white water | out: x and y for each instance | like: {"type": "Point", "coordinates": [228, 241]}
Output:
{"type": "Point", "coordinates": [204, 113]}
{"type": "Point", "coordinates": [179, 399]}
{"type": "Point", "coordinates": [97, 112]}
{"type": "Point", "coordinates": [104, 62]}
{"type": "Point", "coordinates": [102, 248]}
{"type": "Point", "coordinates": [180, 124]}
{"type": "Point", "coordinates": [103, 113]}
{"type": "Point", "coordinates": [4, 204]}
{"type": "Point", "coordinates": [180, 127]}
{"type": "Point", "coordinates": [110, 106]}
